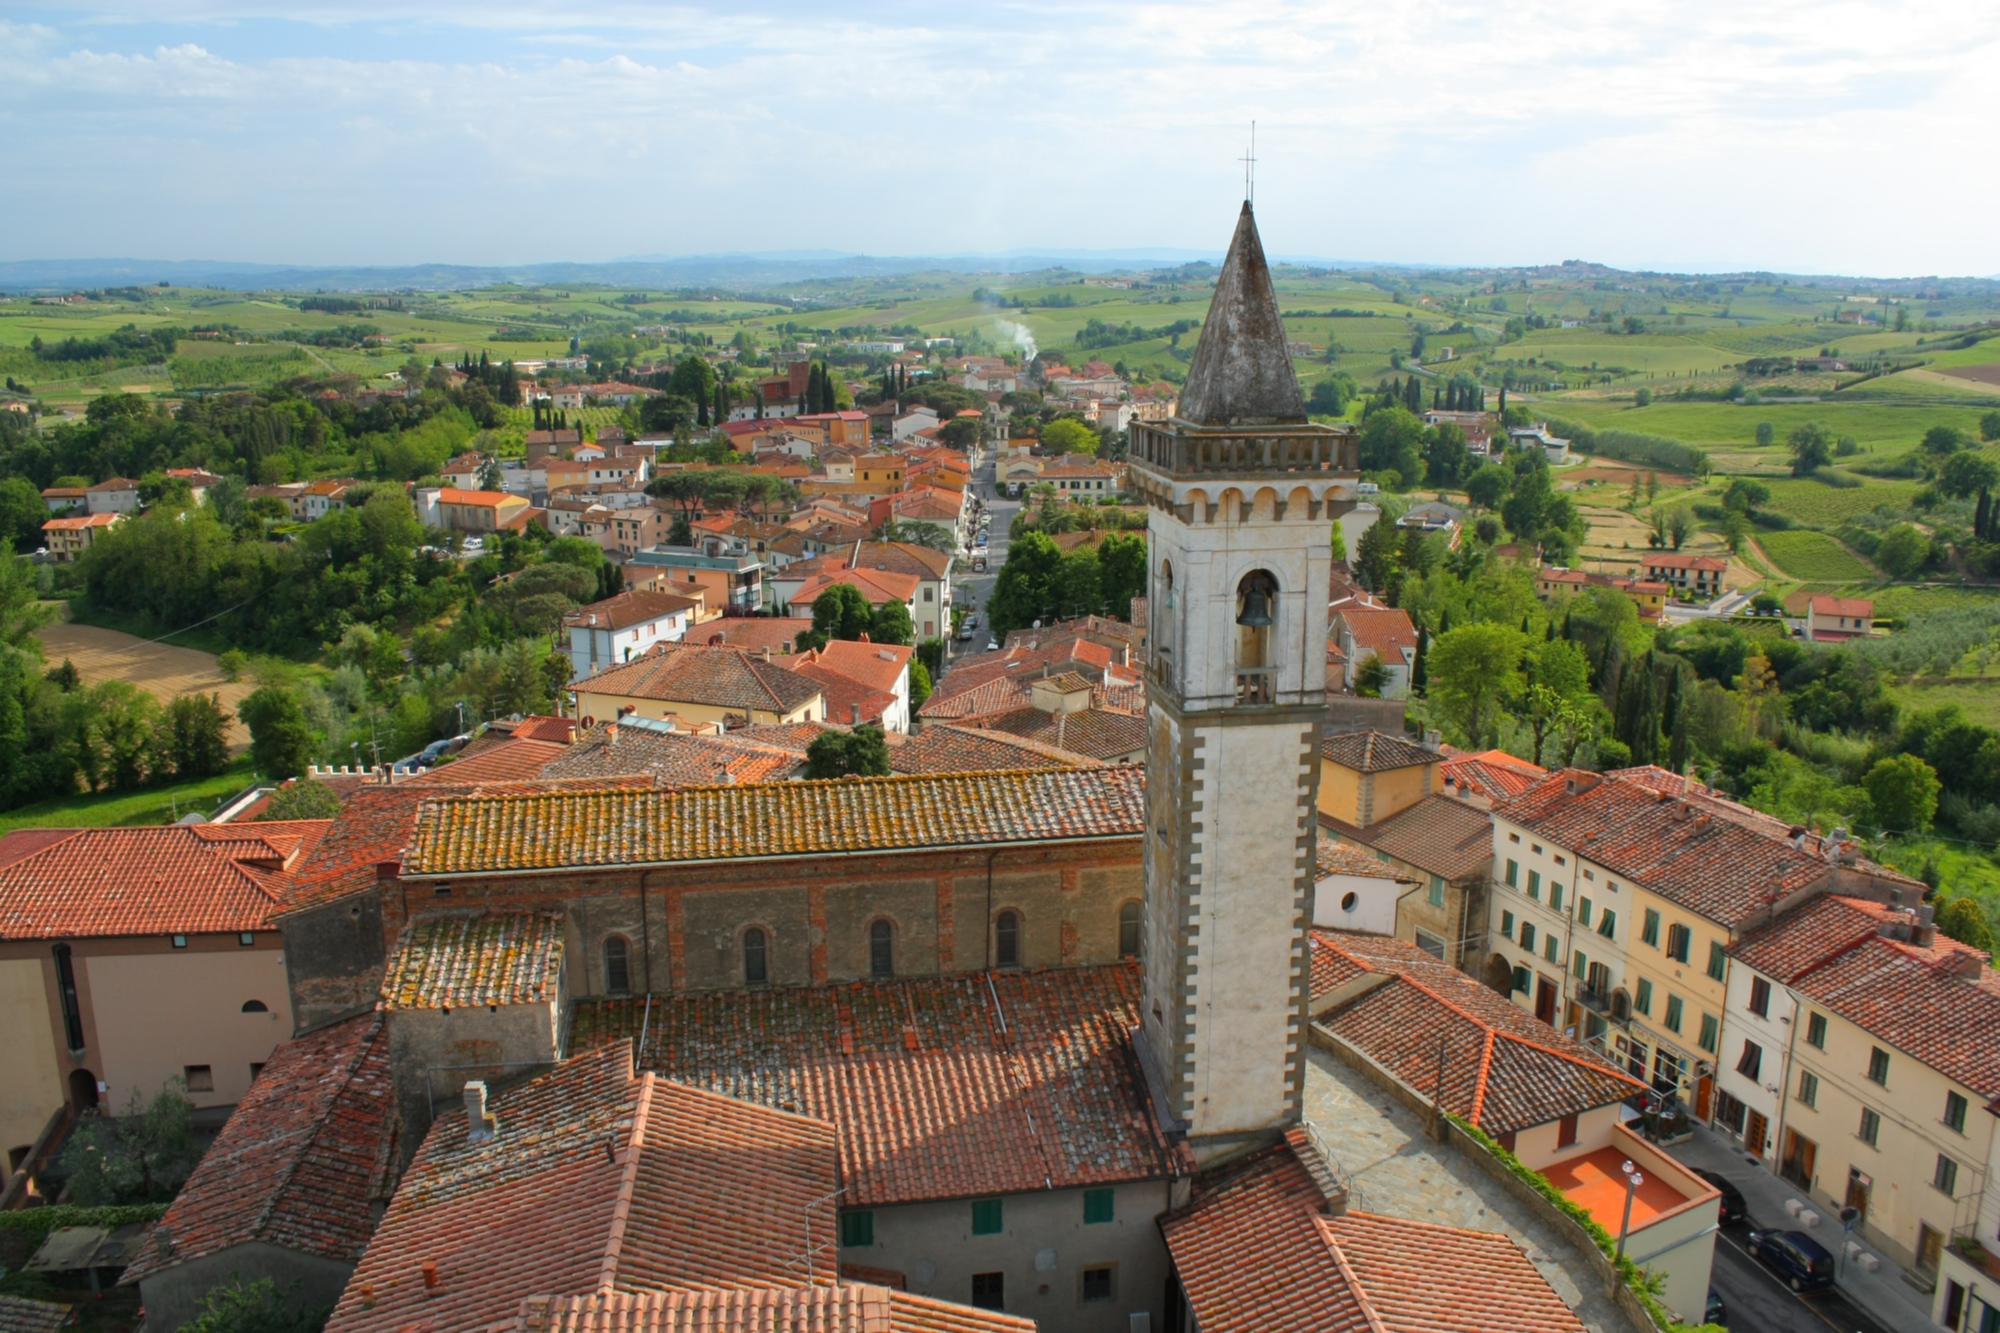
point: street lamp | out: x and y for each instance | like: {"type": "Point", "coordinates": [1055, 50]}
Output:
{"type": "Point", "coordinates": [1633, 1180]}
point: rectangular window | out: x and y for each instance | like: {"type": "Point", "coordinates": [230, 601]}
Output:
{"type": "Point", "coordinates": [1566, 1132]}
{"type": "Point", "coordinates": [989, 1291]}
{"type": "Point", "coordinates": [1760, 997]}
{"type": "Point", "coordinates": [1871, 1127]}
{"type": "Point", "coordinates": [1561, 860]}
{"type": "Point", "coordinates": [1535, 847]}
{"type": "Point", "coordinates": [1673, 1013]}
{"type": "Point", "coordinates": [1583, 911]}
{"type": "Point", "coordinates": [1816, 1031]}
{"type": "Point", "coordinates": [1809, 1088]}
{"type": "Point", "coordinates": [986, 1217]}
{"type": "Point", "coordinates": [1555, 895]}
{"type": "Point", "coordinates": [1098, 1284]}
{"type": "Point", "coordinates": [1651, 932]}
{"type": "Point", "coordinates": [1954, 1112]}
{"type": "Point", "coordinates": [1507, 924]}
{"type": "Point", "coordinates": [1521, 980]}
{"type": "Point", "coordinates": [1513, 872]}
{"type": "Point", "coordinates": [1717, 960]}
{"type": "Point", "coordinates": [1590, 875]}
{"type": "Point", "coordinates": [245, 938]}
{"type": "Point", "coordinates": [1751, 1062]}
{"type": "Point", "coordinates": [1643, 1000]}
{"type": "Point", "coordinates": [1878, 1066]}
{"type": "Point", "coordinates": [1607, 925]}
{"type": "Point", "coordinates": [1535, 884]}
{"type": "Point", "coordinates": [1437, 891]}
{"type": "Point", "coordinates": [180, 941]}
{"type": "Point", "coordinates": [1513, 837]}
{"type": "Point", "coordinates": [857, 1227]}
{"type": "Point", "coordinates": [1551, 948]}
{"type": "Point", "coordinates": [1946, 1175]}
{"type": "Point", "coordinates": [1711, 1033]}
{"type": "Point", "coordinates": [200, 1078]}
{"type": "Point", "coordinates": [1578, 965]}
{"type": "Point", "coordinates": [1099, 1206]}
{"type": "Point", "coordinates": [1679, 938]}
{"type": "Point", "coordinates": [1528, 936]}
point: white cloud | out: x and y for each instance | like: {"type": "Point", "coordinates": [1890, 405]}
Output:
{"type": "Point", "coordinates": [1714, 135]}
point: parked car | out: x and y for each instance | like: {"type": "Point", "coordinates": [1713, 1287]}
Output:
{"type": "Point", "coordinates": [1734, 1208]}
{"type": "Point", "coordinates": [1716, 1312]}
{"type": "Point", "coordinates": [1794, 1256]}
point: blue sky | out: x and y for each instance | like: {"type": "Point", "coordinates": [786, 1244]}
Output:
{"type": "Point", "coordinates": [1805, 136]}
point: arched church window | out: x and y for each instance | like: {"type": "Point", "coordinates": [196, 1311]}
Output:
{"type": "Point", "coordinates": [755, 970]}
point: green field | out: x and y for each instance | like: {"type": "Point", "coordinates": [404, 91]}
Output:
{"type": "Point", "coordinates": [1816, 504]}
{"type": "Point", "coordinates": [1805, 554]}
{"type": "Point", "coordinates": [160, 805]}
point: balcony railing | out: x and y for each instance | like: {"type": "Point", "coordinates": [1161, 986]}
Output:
{"type": "Point", "coordinates": [1595, 999]}
{"type": "Point", "coordinates": [1257, 685]}
{"type": "Point", "coordinates": [1313, 450]}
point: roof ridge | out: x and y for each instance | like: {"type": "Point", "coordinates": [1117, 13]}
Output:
{"type": "Point", "coordinates": [1479, 1082]}
{"type": "Point", "coordinates": [1360, 1293]}
{"type": "Point", "coordinates": [628, 1182]}
{"type": "Point", "coordinates": [271, 1200]}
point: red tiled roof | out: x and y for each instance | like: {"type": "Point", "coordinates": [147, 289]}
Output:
{"type": "Point", "coordinates": [538, 727]}
{"type": "Point", "coordinates": [1673, 560]}
{"type": "Point", "coordinates": [1680, 850]}
{"type": "Point", "coordinates": [1095, 733]}
{"type": "Point", "coordinates": [596, 1179]}
{"type": "Point", "coordinates": [443, 962]}
{"type": "Point", "coordinates": [847, 701]}
{"type": "Point", "coordinates": [1339, 858]}
{"type": "Point", "coordinates": [1494, 774]}
{"type": "Point", "coordinates": [938, 1087]}
{"type": "Point", "coordinates": [1385, 631]}
{"type": "Point", "coordinates": [939, 748]}
{"type": "Point", "coordinates": [303, 1161]}
{"type": "Point", "coordinates": [878, 666]}
{"type": "Point", "coordinates": [1064, 654]}
{"type": "Point", "coordinates": [676, 759]}
{"type": "Point", "coordinates": [1375, 752]}
{"type": "Point", "coordinates": [634, 606]}
{"type": "Point", "coordinates": [879, 586]}
{"type": "Point", "coordinates": [853, 1307]}
{"type": "Point", "coordinates": [508, 760]}
{"type": "Point", "coordinates": [1440, 835]}
{"type": "Point", "coordinates": [374, 825]}
{"type": "Point", "coordinates": [1505, 1069]}
{"type": "Point", "coordinates": [712, 677]}
{"type": "Point", "coordinates": [1939, 1005]}
{"type": "Point", "coordinates": [1257, 1251]}
{"type": "Point", "coordinates": [778, 633]}
{"type": "Point", "coordinates": [177, 880]}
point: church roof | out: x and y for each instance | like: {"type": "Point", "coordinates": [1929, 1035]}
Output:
{"type": "Point", "coordinates": [1241, 374]}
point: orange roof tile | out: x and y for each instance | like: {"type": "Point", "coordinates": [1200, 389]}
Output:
{"type": "Point", "coordinates": [508, 760]}
{"type": "Point", "coordinates": [1375, 752]}
{"type": "Point", "coordinates": [712, 677]}
{"type": "Point", "coordinates": [445, 962]}
{"type": "Point", "coordinates": [877, 666]}
{"type": "Point", "coordinates": [853, 1307]}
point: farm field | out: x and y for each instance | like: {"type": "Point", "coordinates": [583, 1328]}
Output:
{"type": "Point", "coordinates": [1816, 504]}
{"type": "Point", "coordinates": [162, 670]}
{"type": "Point", "coordinates": [1808, 555]}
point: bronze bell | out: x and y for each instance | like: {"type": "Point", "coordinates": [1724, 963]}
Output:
{"type": "Point", "coordinates": [1256, 608]}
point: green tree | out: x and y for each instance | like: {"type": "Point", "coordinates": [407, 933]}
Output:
{"type": "Point", "coordinates": [1375, 561]}
{"type": "Point", "coordinates": [1489, 486]}
{"type": "Point", "coordinates": [1812, 448]}
{"type": "Point", "coordinates": [962, 434]}
{"type": "Point", "coordinates": [1475, 670]}
{"type": "Point", "coordinates": [862, 752]}
{"type": "Point", "coordinates": [1025, 591]}
{"type": "Point", "coordinates": [281, 739]}
{"type": "Point", "coordinates": [1371, 677]}
{"type": "Point", "coordinates": [1989, 427]}
{"type": "Point", "coordinates": [22, 513]}
{"type": "Point", "coordinates": [693, 380]}
{"type": "Point", "coordinates": [1968, 473]}
{"type": "Point", "coordinates": [1903, 551]}
{"type": "Point", "coordinates": [1066, 435]}
{"type": "Point", "coordinates": [1392, 440]}
{"type": "Point", "coordinates": [256, 1307]}
{"type": "Point", "coordinates": [1964, 920]}
{"type": "Point", "coordinates": [301, 799]}
{"type": "Point", "coordinates": [841, 612]}
{"type": "Point", "coordinates": [890, 623]}
{"type": "Point", "coordinates": [1903, 790]}
{"type": "Point", "coordinates": [1121, 560]}
{"type": "Point", "coordinates": [1766, 432]}
{"type": "Point", "coordinates": [1079, 584]}
{"type": "Point", "coordinates": [920, 683]}
{"type": "Point", "coordinates": [1680, 525]}
{"type": "Point", "coordinates": [1943, 440]}
{"type": "Point", "coordinates": [1339, 542]}
{"type": "Point", "coordinates": [1735, 531]}
{"type": "Point", "coordinates": [142, 1156]}
{"type": "Point", "coordinates": [195, 736]}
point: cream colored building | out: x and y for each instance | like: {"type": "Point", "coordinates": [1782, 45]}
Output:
{"type": "Point", "coordinates": [107, 993]}
{"type": "Point", "coordinates": [700, 684]}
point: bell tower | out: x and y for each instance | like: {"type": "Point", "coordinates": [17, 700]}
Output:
{"type": "Point", "coordinates": [1242, 490]}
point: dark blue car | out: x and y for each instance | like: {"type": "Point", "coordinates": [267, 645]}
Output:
{"type": "Point", "coordinates": [1794, 1256]}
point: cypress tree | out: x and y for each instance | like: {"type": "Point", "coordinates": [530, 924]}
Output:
{"type": "Point", "coordinates": [1503, 399]}
{"type": "Point", "coordinates": [1419, 671]}
{"type": "Point", "coordinates": [1610, 666]}
{"type": "Point", "coordinates": [1549, 635]}
{"type": "Point", "coordinates": [1524, 623]}
{"type": "Point", "coordinates": [1444, 620]}
{"type": "Point", "coordinates": [1981, 515]}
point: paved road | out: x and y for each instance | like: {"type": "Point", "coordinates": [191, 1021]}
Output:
{"type": "Point", "coordinates": [1759, 1302]}
{"type": "Point", "coordinates": [974, 589]}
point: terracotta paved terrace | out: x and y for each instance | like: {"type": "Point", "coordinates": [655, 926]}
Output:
{"type": "Point", "coordinates": [1595, 1182]}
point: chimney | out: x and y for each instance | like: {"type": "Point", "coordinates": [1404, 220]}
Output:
{"type": "Point", "coordinates": [1432, 740]}
{"type": "Point", "coordinates": [388, 869]}
{"type": "Point", "coordinates": [610, 734]}
{"type": "Point", "coordinates": [765, 653]}
{"type": "Point", "coordinates": [430, 1272]}
{"type": "Point", "coordinates": [481, 1126]}
{"type": "Point", "coordinates": [854, 715]}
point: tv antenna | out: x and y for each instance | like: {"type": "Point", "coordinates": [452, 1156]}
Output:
{"type": "Point", "coordinates": [1249, 161]}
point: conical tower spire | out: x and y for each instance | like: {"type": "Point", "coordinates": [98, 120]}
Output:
{"type": "Point", "coordinates": [1242, 375]}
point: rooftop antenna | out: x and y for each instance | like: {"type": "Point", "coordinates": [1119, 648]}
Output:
{"type": "Point", "coordinates": [1249, 161]}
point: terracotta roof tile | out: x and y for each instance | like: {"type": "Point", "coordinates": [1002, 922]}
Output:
{"type": "Point", "coordinates": [303, 1161]}
{"type": "Point", "coordinates": [444, 962]}
{"type": "Point", "coordinates": [1257, 1251]}
{"type": "Point", "coordinates": [938, 1087]}
{"type": "Point", "coordinates": [539, 727]}
{"type": "Point", "coordinates": [1439, 834]}
{"type": "Point", "coordinates": [177, 879]}
{"type": "Point", "coordinates": [1696, 857]}
{"type": "Point", "coordinates": [19, 1314]}
{"type": "Point", "coordinates": [596, 1179]}
{"type": "Point", "coordinates": [1821, 929]}
{"type": "Point", "coordinates": [374, 825]}
{"type": "Point", "coordinates": [1505, 1069]}
{"type": "Point", "coordinates": [1095, 733]}
{"type": "Point", "coordinates": [849, 1308]}
{"type": "Point", "coordinates": [460, 835]}
{"type": "Point", "coordinates": [632, 607]}
{"type": "Point", "coordinates": [1340, 858]}
{"type": "Point", "coordinates": [1375, 752]}
{"type": "Point", "coordinates": [778, 633]}
{"type": "Point", "coordinates": [677, 759]}
{"type": "Point", "coordinates": [714, 677]}
{"type": "Point", "coordinates": [1494, 774]}
{"type": "Point", "coordinates": [509, 760]}
{"type": "Point", "coordinates": [940, 748]}
{"type": "Point", "coordinates": [1385, 631]}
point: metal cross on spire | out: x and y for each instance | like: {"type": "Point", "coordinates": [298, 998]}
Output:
{"type": "Point", "coordinates": [1249, 161]}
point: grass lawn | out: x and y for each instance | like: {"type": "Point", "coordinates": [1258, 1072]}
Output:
{"type": "Point", "coordinates": [1805, 554]}
{"type": "Point", "coordinates": [156, 805]}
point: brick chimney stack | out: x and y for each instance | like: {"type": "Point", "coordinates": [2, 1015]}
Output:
{"type": "Point", "coordinates": [481, 1125]}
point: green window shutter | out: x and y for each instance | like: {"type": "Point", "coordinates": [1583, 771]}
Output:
{"type": "Point", "coordinates": [1643, 1001]}
{"type": "Point", "coordinates": [1521, 980]}
{"type": "Point", "coordinates": [1437, 891]}
{"type": "Point", "coordinates": [1816, 1030]}
{"type": "Point", "coordinates": [1535, 884]}
{"type": "Point", "coordinates": [1577, 964]}
{"type": "Point", "coordinates": [857, 1227]}
{"type": "Point", "coordinates": [1607, 925]}
{"type": "Point", "coordinates": [1551, 947]}
{"type": "Point", "coordinates": [1651, 933]}
{"type": "Point", "coordinates": [1710, 1033]}
{"type": "Point", "coordinates": [1099, 1206]}
{"type": "Point", "coordinates": [1583, 911]}
{"type": "Point", "coordinates": [1556, 894]}
{"type": "Point", "coordinates": [1507, 924]}
{"type": "Point", "coordinates": [1717, 960]}
{"type": "Point", "coordinates": [1513, 872]}
{"type": "Point", "coordinates": [986, 1217]}
{"type": "Point", "coordinates": [1673, 1013]}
